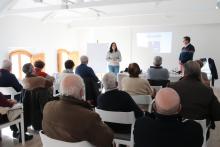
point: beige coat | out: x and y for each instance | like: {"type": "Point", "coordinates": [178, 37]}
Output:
{"type": "Point", "coordinates": [30, 83]}
{"type": "Point", "coordinates": [72, 120]}
{"type": "Point", "coordinates": [136, 86]}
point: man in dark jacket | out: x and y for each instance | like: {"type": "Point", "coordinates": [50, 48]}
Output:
{"type": "Point", "coordinates": [71, 119]}
{"type": "Point", "coordinates": [187, 52]}
{"type": "Point", "coordinates": [90, 79]}
{"type": "Point", "coordinates": [7, 79]}
{"type": "Point", "coordinates": [164, 127]}
{"type": "Point", "coordinates": [116, 100]}
{"type": "Point", "coordinates": [198, 101]}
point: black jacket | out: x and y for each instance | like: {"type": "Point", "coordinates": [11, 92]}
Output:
{"type": "Point", "coordinates": [187, 53]}
{"type": "Point", "coordinates": [33, 105]}
{"type": "Point", "coordinates": [157, 130]}
{"type": "Point", "coordinates": [198, 101]}
{"type": "Point", "coordinates": [213, 68]}
{"type": "Point", "coordinates": [8, 79]}
{"type": "Point", "coordinates": [116, 100]}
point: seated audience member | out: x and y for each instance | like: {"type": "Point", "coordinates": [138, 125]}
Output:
{"type": "Point", "coordinates": [198, 101]}
{"type": "Point", "coordinates": [133, 84]}
{"type": "Point", "coordinates": [116, 100]}
{"type": "Point", "coordinates": [7, 79]}
{"type": "Point", "coordinates": [90, 79]}
{"type": "Point", "coordinates": [205, 79]}
{"type": "Point", "coordinates": [32, 81]}
{"type": "Point", "coordinates": [69, 65]}
{"type": "Point", "coordinates": [35, 95]}
{"type": "Point", "coordinates": [77, 124]}
{"type": "Point", "coordinates": [85, 71]}
{"type": "Point", "coordinates": [4, 102]}
{"type": "Point", "coordinates": [164, 127]}
{"type": "Point", "coordinates": [38, 70]}
{"type": "Point", "coordinates": [157, 72]}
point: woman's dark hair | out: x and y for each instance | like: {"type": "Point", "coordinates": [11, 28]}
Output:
{"type": "Point", "coordinates": [39, 64]}
{"type": "Point", "coordinates": [187, 38]}
{"type": "Point", "coordinates": [69, 64]}
{"type": "Point", "coordinates": [111, 50]}
{"type": "Point", "coordinates": [134, 70]}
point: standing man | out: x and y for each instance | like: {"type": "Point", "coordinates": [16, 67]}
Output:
{"type": "Point", "coordinates": [187, 52]}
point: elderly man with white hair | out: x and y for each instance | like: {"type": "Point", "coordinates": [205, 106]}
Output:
{"type": "Point", "coordinates": [90, 79]}
{"type": "Point", "coordinates": [116, 100]}
{"type": "Point", "coordinates": [165, 127]}
{"type": "Point", "coordinates": [71, 119]}
{"type": "Point", "coordinates": [7, 79]}
{"type": "Point", "coordinates": [157, 72]}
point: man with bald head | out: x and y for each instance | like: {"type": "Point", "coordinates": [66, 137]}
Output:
{"type": "Point", "coordinates": [164, 127]}
{"type": "Point", "coordinates": [71, 119]}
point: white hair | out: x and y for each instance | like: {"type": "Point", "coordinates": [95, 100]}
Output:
{"type": "Point", "coordinates": [84, 59]}
{"type": "Point", "coordinates": [6, 64]}
{"type": "Point", "coordinates": [109, 81]}
{"type": "Point", "coordinates": [157, 61]}
{"type": "Point", "coordinates": [72, 85]}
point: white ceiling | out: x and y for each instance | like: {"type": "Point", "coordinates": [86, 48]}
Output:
{"type": "Point", "coordinates": [83, 11]}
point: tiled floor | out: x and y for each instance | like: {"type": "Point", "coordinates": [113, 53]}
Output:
{"type": "Point", "coordinates": [7, 141]}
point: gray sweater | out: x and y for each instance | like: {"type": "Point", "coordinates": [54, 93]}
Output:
{"type": "Point", "coordinates": [157, 73]}
{"type": "Point", "coordinates": [113, 58]}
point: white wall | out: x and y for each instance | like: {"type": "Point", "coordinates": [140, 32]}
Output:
{"type": "Point", "coordinates": [19, 32]}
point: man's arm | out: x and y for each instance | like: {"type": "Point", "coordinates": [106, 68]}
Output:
{"type": "Point", "coordinates": [99, 134]}
{"type": "Point", "coordinates": [15, 83]}
{"type": "Point", "coordinates": [93, 75]}
{"type": "Point", "coordinates": [215, 108]}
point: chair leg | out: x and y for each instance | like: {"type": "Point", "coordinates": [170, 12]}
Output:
{"type": "Point", "coordinates": [22, 130]}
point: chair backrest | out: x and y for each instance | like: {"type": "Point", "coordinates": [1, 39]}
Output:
{"type": "Point", "coordinates": [116, 117]}
{"type": "Point", "coordinates": [9, 91]}
{"type": "Point", "coordinates": [142, 99]}
{"type": "Point", "coordinates": [49, 142]}
{"type": "Point", "coordinates": [205, 129]}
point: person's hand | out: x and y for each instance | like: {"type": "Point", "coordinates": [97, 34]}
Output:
{"type": "Point", "coordinates": [12, 101]}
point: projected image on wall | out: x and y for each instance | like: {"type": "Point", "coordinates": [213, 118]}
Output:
{"type": "Point", "coordinates": [158, 42]}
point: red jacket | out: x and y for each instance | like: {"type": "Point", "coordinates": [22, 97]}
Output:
{"type": "Point", "coordinates": [40, 73]}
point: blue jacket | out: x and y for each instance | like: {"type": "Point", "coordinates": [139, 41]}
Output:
{"type": "Point", "coordinates": [86, 72]}
{"type": "Point", "coordinates": [8, 79]}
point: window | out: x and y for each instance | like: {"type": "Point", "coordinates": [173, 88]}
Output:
{"type": "Point", "coordinates": [18, 59]}
{"type": "Point", "coordinates": [63, 55]}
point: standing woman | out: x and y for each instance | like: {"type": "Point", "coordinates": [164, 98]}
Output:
{"type": "Point", "coordinates": [113, 58]}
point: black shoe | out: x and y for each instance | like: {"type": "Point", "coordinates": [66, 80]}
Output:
{"type": "Point", "coordinates": [15, 134]}
{"type": "Point", "coordinates": [27, 137]}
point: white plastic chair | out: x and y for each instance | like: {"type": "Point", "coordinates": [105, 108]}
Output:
{"type": "Point", "coordinates": [9, 91]}
{"type": "Point", "coordinates": [205, 129]}
{"type": "Point", "coordinates": [120, 118]}
{"type": "Point", "coordinates": [142, 100]}
{"type": "Point", "coordinates": [18, 121]}
{"type": "Point", "coordinates": [49, 142]}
